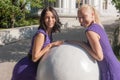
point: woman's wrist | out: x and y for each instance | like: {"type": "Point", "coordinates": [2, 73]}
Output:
{"type": "Point", "coordinates": [50, 45]}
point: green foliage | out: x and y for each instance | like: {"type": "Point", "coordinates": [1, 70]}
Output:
{"type": "Point", "coordinates": [116, 49]}
{"type": "Point", "coordinates": [28, 22]}
{"type": "Point", "coordinates": [117, 4]}
{"type": "Point", "coordinates": [6, 11]}
{"type": "Point", "coordinates": [9, 11]}
{"type": "Point", "coordinates": [36, 3]}
{"type": "Point", "coordinates": [118, 58]}
{"type": "Point", "coordinates": [116, 43]}
{"type": "Point", "coordinates": [14, 11]}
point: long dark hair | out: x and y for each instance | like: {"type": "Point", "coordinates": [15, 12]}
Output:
{"type": "Point", "coordinates": [42, 25]}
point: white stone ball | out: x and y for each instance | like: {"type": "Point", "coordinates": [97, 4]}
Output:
{"type": "Point", "coordinates": [68, 62]}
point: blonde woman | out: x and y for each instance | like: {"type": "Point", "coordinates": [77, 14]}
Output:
{"type": "Point", "coordinates": [99, 43]}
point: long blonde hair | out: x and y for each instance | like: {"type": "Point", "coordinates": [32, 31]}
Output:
{"type": "Point", "coordinates": [96, 15]}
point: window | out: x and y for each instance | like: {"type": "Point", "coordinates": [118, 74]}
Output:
{"type": "Point", "coordinates": [105, 4]}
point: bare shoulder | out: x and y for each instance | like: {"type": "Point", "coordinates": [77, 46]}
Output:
{"type": "Point", "coordinates": [40, 36]}
{"type": "Point", "coordinates": [92, 34]}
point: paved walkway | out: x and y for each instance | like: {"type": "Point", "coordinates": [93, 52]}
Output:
{"type": "Point", "coordinates": [9, 55]}
{"type": "Point", "coordinates": [13, 52]}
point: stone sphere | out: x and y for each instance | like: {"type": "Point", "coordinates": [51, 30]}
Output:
{"type": "Point", "coordinates": [67, 62]}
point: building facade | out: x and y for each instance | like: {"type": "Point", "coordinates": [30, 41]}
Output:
{"type": "Point", "coordinates": [69, 7]}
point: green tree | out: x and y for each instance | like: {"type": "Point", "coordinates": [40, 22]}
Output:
{"type": "Point", "coordinates": [116, 42]}
{"type": "Point", "coordinates": [12, 10]}
{"type": "Point", "coordinates": [117, 4]}
{"type": "Point", "coordinates": [7, 13]}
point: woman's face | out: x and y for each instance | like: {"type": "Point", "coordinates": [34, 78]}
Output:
{"type": "Point", "coordinates": [85, 17]}
{"type": "Point", "coordinates": [49, 19]}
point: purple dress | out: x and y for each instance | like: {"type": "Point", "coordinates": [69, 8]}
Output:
{"type": "Point", "coordinates": [25, 69]}
{"type": "Point", "coordinates": [109, 66]}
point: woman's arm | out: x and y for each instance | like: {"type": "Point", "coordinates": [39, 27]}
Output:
{"type": "Point", "coordinates": [93, 38]}
{"type": "Point", "coordinates": [37, 51]}
{"type": "Point", "coordinates": [88, 49]}
{"type": "Point", "coordinates": [96, 51]}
